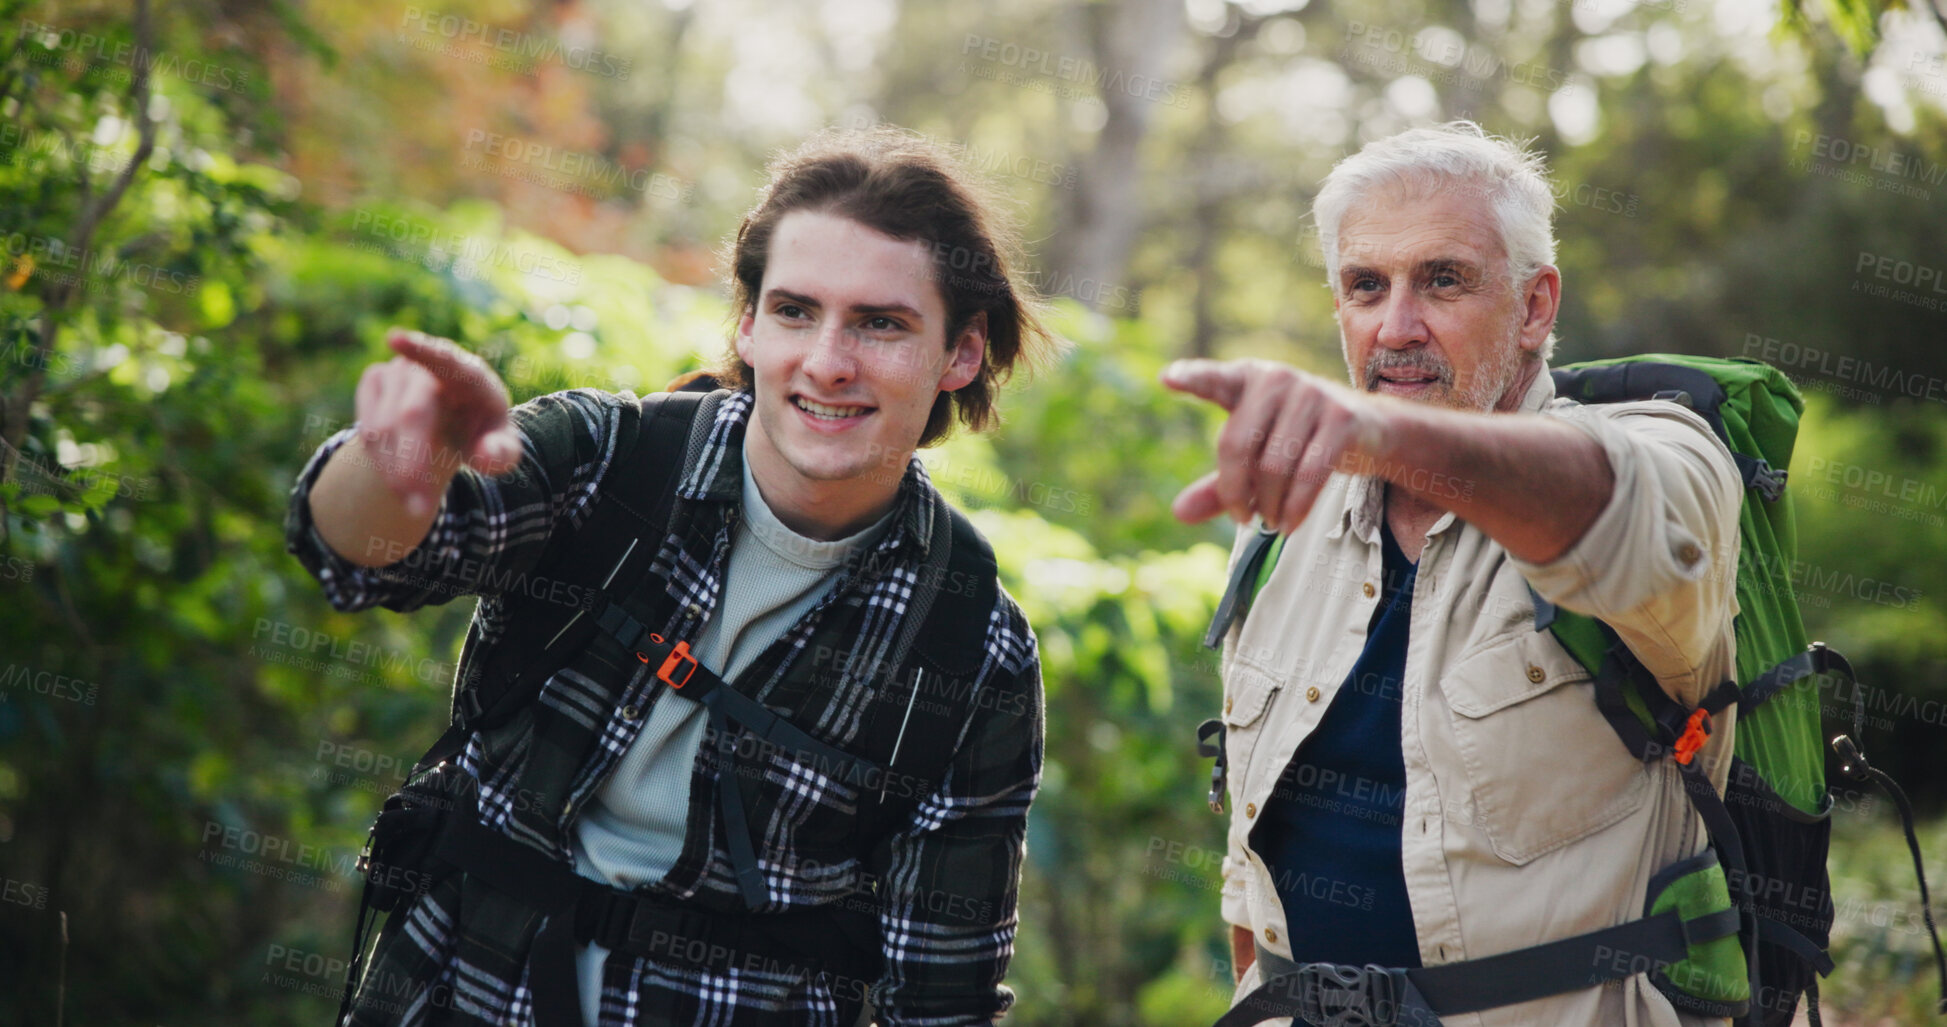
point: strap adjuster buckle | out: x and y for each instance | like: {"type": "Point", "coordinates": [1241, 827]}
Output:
{"type": "Point", "coordinates": [677, 658]}
{"type": "Point", "coordinates": [1696, 731]}
{"type": "Point", "coordinates": [1220, 773]}
{"type": "Point", "coordinates": [1769, 481]}
{"type": "Point", "coordinates": [1336, 995]}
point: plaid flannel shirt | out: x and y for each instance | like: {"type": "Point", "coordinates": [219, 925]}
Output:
{"type": "Point", "coordinates": [947, 908]}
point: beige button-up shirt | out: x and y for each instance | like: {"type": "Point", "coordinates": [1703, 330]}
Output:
{"type": "Point", "coordinates": [1526, 821]}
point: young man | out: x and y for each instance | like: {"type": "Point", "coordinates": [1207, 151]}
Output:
{"type": "Point", "coordinates": [1419, 777]}
{"type": "Point", "coordinates": [804, 842]}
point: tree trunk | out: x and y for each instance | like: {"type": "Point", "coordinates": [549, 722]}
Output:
{"type": "Point", "coordinates": [1128, 40]}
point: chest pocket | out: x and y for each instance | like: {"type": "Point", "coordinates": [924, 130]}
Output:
{"type": "Point", "coordinates": [1543, 767]}
{"type": "Point", "coordinates": [1247, 694]}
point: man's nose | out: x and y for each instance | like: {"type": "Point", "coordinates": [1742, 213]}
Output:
{"type": "Point", "coordinates": [1403, 323]}
{"type": "Point", "coordinates": [834, 355]}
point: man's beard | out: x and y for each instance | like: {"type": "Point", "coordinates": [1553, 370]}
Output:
{"type": "Point", "coordinates": [1483, 393]}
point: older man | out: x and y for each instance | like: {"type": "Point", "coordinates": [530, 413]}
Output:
{"type": "Point", "coordinates": [1420, 778]}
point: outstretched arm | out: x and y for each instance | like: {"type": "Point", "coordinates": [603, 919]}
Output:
{"type": "Point", "coordinates": [1531, 483]}
{"type": "Point", "coordinates": [389, 513]}
{"type": "Point", "coordinates": [421, 416]}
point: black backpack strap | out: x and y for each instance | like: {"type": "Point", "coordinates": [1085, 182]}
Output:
{"type": "Point", "coordinates": [1686, 386]}
{"type": "Point", "coordinates": [1853, 764]}
{"type": "Point", "coordinates": [943, 647]}
{"type": "Point", "coordinates": [1815, 660]}
{"type": "Point", "coordinates": [659, 425]}
{"type": "Point", "coordinates": [652, 446]}
{"type": "Point", "coordinates": [1331, 993]}
{"type": "Point", "coordinates": [1241, 590]}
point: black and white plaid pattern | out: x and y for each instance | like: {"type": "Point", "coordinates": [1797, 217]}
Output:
{"type": "Point", "coordinates": [949, 877]}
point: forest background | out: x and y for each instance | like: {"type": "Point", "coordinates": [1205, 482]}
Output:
{"type": "Point", "coordinates": [212, 209]}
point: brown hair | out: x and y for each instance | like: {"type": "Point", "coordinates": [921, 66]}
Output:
{"type": "Point", "coordinates": [903, 185]}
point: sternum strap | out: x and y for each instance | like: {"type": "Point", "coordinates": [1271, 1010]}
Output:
{"type": "Point", "coordinates": [725, 704]}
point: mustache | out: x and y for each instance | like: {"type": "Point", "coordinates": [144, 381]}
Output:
{"type": "Point", "coordinates": [1411, 360]}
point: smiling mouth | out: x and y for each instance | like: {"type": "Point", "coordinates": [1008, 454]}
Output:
{"type": "Point", "coordinates": [827, 411]}
{"type": "Point", "coordinates": [1403, 378]}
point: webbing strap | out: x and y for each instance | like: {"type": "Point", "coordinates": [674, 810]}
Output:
{"type": "Point", "coordinates": [1523, 975]}
{"type": "Point", "coordinates": [1610, 700]}
{"type": "Point", "coordinates": [690, 679]}
{"type": "Point", "coordinates": [1242, 589]}
{"type": "Point", "coordinates": [1792, 940]}
{"type": "Point", "coordinates": [576, 908]}
{"type": "Point", "coordinates": [1730, 851]}
{"type": "Point", "coordinates": [701, 684]}
{"type": "Point", "coordinates": [1815, 660]}
{"type": "Point", "coordinates": [736, 826]}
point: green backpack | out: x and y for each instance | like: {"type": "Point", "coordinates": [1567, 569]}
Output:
{"type": "Point", "coordinates": [1752, 914]}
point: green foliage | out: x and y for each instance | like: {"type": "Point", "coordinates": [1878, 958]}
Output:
{"type": "Point", "coordinates": [172, 686]}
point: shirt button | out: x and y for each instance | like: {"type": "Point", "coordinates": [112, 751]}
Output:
{"type": "Point", "coordinates": [1535, 674]}
{"type": "Point", "coordinates": [1367, 589]}
{"type": "Point", "coordinates": [1271, 935]}
{"type": "Point", "coordinates": [631, 712]}
{"type": "Point", "coordinates": [1227, 705]}
{"type": "Point", "coordinates": [1250, 810]}
{"type": "Point", "coordinates": [695, 609]}
{"type": "Point", "coordinates": [1689, 553]}
{"type": "Point", "coordinates": [1311, 694]}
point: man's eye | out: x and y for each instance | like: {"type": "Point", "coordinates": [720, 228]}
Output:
{"type": "Point", "coordinates": [1446, 280]}
{"type": "Point", "coordinates": [882, 323]}
{"type": "Point", "coordinates": [790, 311]}
{"type": "Point", "coordinates": [1365, 284]}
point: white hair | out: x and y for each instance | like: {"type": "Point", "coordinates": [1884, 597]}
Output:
{"type": "Point", "coordinates": [1458, 155]}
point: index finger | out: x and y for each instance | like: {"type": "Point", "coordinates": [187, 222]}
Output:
{"type": "Point", "coordinates": [1219, 381]}
{"type": "Point", "coordinates": [442, 357]}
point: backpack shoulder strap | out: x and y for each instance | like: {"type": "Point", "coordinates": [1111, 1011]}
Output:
{"type": "Point", "coordinates": [940, 647]}
{"type": "Point", "coordinates": [634, 500]}
{"type": "Point", "coordinates": [1691, 387]}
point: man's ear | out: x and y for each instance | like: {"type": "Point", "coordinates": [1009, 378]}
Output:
{"type": "Point", "coordinates": [964, 360]}
{"type": "Point", "coordinates": [1542, 302]}
{"type": "Point", "coordinates": [744, 343]}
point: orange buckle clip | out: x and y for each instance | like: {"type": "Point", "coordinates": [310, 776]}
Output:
{"type": "Point", "coordinates": [1696, 731]}
{"type": "Point", "coordinates": [677, 657]}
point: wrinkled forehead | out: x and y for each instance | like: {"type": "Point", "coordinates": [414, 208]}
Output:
{"type": "Point", "coordinates": [1421, 218]}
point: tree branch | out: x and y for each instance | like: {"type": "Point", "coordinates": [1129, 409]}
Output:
{"type": "Point", "coordinates": [14, 409]}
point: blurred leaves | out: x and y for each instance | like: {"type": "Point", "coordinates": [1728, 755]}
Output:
{"type": "Point", "coordinates": [171, 683]}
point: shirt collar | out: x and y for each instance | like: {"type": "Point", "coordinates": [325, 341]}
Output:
{"type": "Point", "coordinates": [717, 476]}
{"type": "Point", "coordinates": [1364, 496]}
